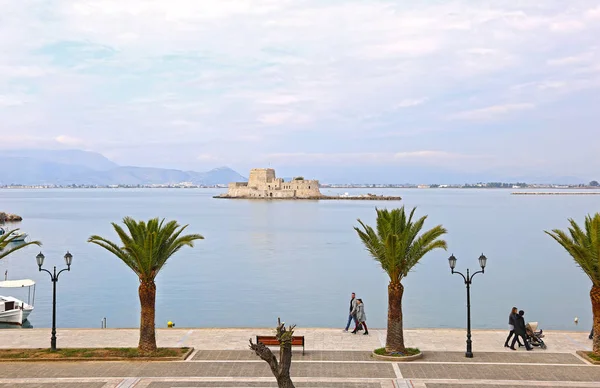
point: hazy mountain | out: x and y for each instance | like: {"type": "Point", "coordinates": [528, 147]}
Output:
{"type": "Point", "coordinates": [149, 176]}
{"type": "Point", "coordinates": [31, 167]}
{"type": "Point", "coordinates": [34, 167]}
{"type": "Point", "coordinates": [28, 171]}
{"type": "Point", "coordinates": [91, 160]}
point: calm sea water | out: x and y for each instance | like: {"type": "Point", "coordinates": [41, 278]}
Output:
{"type": "Point", "coordinates": [300, 260]}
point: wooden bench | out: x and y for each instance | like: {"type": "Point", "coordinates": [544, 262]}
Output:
{"type": "Point", "coordinates": [271, 340]}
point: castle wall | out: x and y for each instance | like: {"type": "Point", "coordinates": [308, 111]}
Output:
{"type": "Point", "coordinates": [260, 176]}
{"type": "Point", "coordinates": [262, 183]}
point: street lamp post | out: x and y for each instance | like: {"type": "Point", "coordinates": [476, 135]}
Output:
{"type": "Point", "coordinates": [468, 280]}
{"type": "Point", "coordinates": [54, 278]}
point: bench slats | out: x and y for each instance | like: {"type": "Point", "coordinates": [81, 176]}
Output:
{"type": "Point", "coordinates": [272, 341]}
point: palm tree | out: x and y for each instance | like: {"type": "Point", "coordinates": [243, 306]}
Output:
{"type": "Point", "coordinates": [145, 249]}
{"type": "Point", "coordinates": [584, 246]}
{"type": "Point", "coordinates": [6, 240]}
{"type": "Point", "coordinates": [397, 246]}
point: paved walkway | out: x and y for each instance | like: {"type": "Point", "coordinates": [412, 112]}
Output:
{"type": "Point", "coordinates": [333, 359]}
{"type": "Point", "coordinates": [316, 339]}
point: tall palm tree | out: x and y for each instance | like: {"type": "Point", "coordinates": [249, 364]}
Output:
{"type": "Point", "coordinates": [6, 240]}
{"type": "Point", "coordinates": [145, 249]}
{"type": "Point", "coordinates": [397, 246]}
{"type": "Point", "coordinates": [584, 246]}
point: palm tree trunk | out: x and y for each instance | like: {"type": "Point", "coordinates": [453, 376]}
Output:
{"type": "Point", "coordinates": [395, 335]}
{"type": "Point", "coordinates": [595, 297]}
{"type": "Point", "coordinates": [147, 292]}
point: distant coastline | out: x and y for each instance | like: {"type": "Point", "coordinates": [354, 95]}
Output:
{"type": "Point", "coordinates": [554, 193]}
{"type": "Point", "coordinates": [325, 186]}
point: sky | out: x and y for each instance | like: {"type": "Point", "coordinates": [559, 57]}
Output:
{"type": "Point", "coordinates": [463, 86]}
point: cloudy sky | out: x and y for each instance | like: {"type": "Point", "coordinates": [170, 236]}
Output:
{"type": "Point", "coordinates": [462, 85]}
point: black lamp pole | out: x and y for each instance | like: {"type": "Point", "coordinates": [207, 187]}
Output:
{"type": "Point", "coordinates": [54, 278]}
{"type": "Point", "coordinates": [468, 280]}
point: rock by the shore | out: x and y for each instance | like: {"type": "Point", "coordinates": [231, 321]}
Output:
{"type": "Point", "coordinates": [7, 217]}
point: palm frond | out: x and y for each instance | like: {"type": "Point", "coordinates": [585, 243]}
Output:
{"type": "Point", "coordinates": [397, 243]}
{"type": "Point", "coordinates": [145, 247]}
{"type": "Point", "coordinates": [6, 240]}
{"type": "Point", "coordinates": [583, 244]}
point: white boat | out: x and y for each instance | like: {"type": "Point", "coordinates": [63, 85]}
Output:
{"type": "Point", "coordinates": [15, 236]}
{"type": "Point", "coordinates": [12, 310]}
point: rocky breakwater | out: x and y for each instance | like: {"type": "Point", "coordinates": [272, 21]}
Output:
{"type": "Point", "coordinates": [7, 217]}
{"type": "Point", "coordinates": [362, 197]}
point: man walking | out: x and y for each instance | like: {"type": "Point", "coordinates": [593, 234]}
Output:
{"type": "Point", "coordinates": [350, 316]}
{"type": "Point", "coordinates": [520, 331]}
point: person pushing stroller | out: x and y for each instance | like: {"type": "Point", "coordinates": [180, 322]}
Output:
{"type": "Point", "coordinates": [520, 331]}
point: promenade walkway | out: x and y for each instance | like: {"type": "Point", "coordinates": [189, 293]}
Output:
{"type": "Point", "coordinates": [333, 360]}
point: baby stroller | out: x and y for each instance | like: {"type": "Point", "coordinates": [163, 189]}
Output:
{"type": "Point", "coordinates": [534, 337]}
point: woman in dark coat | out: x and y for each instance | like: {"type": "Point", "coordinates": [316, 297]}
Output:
{"type": "Point", "coordinates": [520, 331]}
{"type": "Point", "coordinates": [511, 326]}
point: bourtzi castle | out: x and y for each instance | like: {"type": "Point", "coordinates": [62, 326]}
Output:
{"type": "Point", "coordinates": [262, 183]}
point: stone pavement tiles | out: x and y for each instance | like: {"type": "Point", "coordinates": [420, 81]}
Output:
{"type": "Point", "coordinates": [237, 370]}
{"type": "Point", "coordinates": [463, 385]}
{"type": "Point", "coordinates": [60, 384]}
{"type": "Point", "coordinates": [360, 356]}
{"type": "Point", "coordinates": [512, 372]}
{"type": "Point", "coordinates": [318, 369]}
{"type": "Point", "coordinates": [224, 384]}
{"type": "Point", "coordinates": [316, 339]}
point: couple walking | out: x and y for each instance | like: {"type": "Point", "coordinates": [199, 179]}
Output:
{"type": "Point", "coordinates": [357, 313]}
{"type": "Point", "coordinates": [516, 324]}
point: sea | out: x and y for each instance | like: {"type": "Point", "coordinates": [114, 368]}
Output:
{"type": "Point", "coordinates": [301, 260]}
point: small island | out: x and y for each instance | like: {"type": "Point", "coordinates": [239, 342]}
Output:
{"type": "Point", "coordinates": [263, 184]}
{"type": "Point", "coordinates": [7, 217]}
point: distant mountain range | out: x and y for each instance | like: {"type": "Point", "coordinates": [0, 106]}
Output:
{"type": "Point", "coordinates": [67, 167]}
{"type": "Point", "coordinates": [57, 167]}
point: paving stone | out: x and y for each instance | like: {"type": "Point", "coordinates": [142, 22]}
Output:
{"type": "Point", "coordinates": [445, 385]}
{"type": "Point", "coordinates": [503, 357]}
{"type": "Point", "coordinates": [314, 355]}
{"type": "Point", "coordinates": [190, 369]}
{"type": "Point", "coordinates": [500, 372]}
{"type": "Point", "coordinates": [316, 339]}
{"type": "Point", "coordinates": [53, 385]}
{"type": "Point", "coordinates": [319, 384]}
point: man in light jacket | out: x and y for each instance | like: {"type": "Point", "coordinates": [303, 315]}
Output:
{"type": "Point", "coordinates": [351, 316]}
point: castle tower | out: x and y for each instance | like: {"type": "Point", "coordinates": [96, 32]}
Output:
{"type": "Point", "coordinates": [260, 176]}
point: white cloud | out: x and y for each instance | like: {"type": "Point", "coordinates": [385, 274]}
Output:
{"type": "Point", "coordinates": [411, 102]}
{"type": "Point", "coordinates": [220, 70]}
{"type": "Point", "coordinates": [593, 13]}
{"type": "Point", "coordinates": [280, 99]}
{"type": "Point", "coordinates": [567, 26]}
{"type": "Point", "coordinates": [284, 117]}
{"type": "Point", "coordinates": [8, 101]}
{"type": "Point", "coordinates": [570, 60]}
{"type": "Point", "coordinates": [208, 158]}
{"type": "Point", "coordinates": [360, 158]}
{"type": "Point", "coordinates": [68, 140]}
{"type": "Point", "coordinates": [491, 112]}
{"type": "Point", "coordinates": [551, 85]}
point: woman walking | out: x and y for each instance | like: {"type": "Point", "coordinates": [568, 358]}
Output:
{"type": "Point", "coordinates": [511, 326]}
{"type": "Point", "coordinates": [361, 317]}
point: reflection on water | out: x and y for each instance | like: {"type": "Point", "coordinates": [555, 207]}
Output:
{"type": "Point", "coordinates": [26, 325]}
{"type": "Point", "coordinates": [300, 259]}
